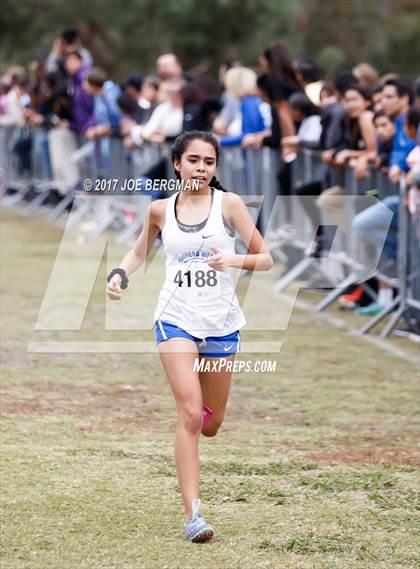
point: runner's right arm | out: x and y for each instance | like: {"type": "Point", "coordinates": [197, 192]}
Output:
{"type": "Point", "coordinates": [137, 255]}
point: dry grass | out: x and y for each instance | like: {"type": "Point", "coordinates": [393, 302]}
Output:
{"type": "Point", "coordinates": [315, 466]}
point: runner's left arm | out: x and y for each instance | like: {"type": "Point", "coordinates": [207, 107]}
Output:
{"type": "Point", "coordinates": [259, 257]}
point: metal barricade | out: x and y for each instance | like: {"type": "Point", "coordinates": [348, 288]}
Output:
{"type": "Point", "coordinates": [407, 302]}
{"type": "Point", "coordinates": [250, 172]}
{"type": "Point", "coordinates": [299, 232]}
{"type": "Point", "coordinates": [13, 176]}
{"type": "Point", "coordinates": [413, 283]}
{"type": "Point", "coordinates": [232, 170]}
{"type": "Point", "coordinates": [348, 251]}
{"type": "Point", "coordinates": [344, 256]}
{"type": "Point", "coordinates": [130, 205]}
{"type": "Point", "coordinates": [108, 166]}
{"type": "Point", "coordinates": [42, 181]}
{"type": "Point", "coordinates": [306, 168]}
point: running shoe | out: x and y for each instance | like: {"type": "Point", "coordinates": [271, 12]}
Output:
{"type": "Point", "coordinates": [197, 529]}
{"type": "Point", "coordinates": [370, 310]}
{"type": "Point", "coordinates": [350, 300]}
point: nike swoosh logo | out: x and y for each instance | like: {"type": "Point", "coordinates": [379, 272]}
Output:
{"type": "Point", "coordinates": [207, 236]}
{"type": "Point", "coordinates": [226, 348]}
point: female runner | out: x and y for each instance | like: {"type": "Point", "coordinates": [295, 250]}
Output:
{"type": "Point", "coordinates": [197, 315]}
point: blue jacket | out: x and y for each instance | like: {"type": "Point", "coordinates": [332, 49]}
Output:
{"type": "Point", "coordinates": [401, 146]}
{"type": "Point", "coordinates": [106, 110]}
{"type": "Point", "coordinates": [252, 120]}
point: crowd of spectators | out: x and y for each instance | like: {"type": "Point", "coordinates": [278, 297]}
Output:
{"type": "Point", "coordinates": [354, 118]}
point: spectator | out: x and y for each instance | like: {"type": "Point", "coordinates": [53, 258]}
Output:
{"type": "Point", "coordinates": [343, 80]}
{"type": "Point", "coordinates": [106, 115]}
{"type": "Point", "coordinates": [165, 121]}
{"type": "Point", "coordinates": [378, 225]}
{"type": "Point", "coordinates": [309, 76]}
{"type": "Point", "coordinates": [327, 95]}
{"type": "Point", "coordinates": [50, 107]}
{"type": "Point", "coordinates": [139, 89]}
{"type": "Point", "coordinates": [4, 89]}
{"type": "Point", "coordinates": [361, 136]}
{"type": "Point", "coordinates": [149, 93]}
{"type": "Point", "coordinates": [385, 130]}
{"type": "Point", "coordinates": [133, 85]}
{"type": "Point", "coordinates": [412, 123]}
{"type": "Point", "coordinates": [360, 143]}
{"type": "Point", "coordinates": [205, 82]}
{"type": "Point", "coordinates": [271, 136]}
{"type": "Point", "coordinates": [230, 104]}
{"type": "Point", "coordinates": [130, 109]}
{"type": "Point", "coordinates": [376, 95]}
{"type": "Point", "coordinates": [169, 67]}
{"type": "Point", "coordinates": [307, 115]}
{"type": "Point", "coordinates": [15, 102]}
{"type": "Point", "coordinates": [54, 107]}
{"type": "Point", "coordinates": [254, 117]}
{"type": "Point", "coordinates": [67, 42]}
{"type": "Point", "coordinates": [37, 82]}
{"type": "Point", "coordinates": [13, 110]}
{"type": "Point", "coordinates": [366, 75]}
{"type": "Point", "coordinates": [82, 103]}
{"type": "Point", "coordinates": [386, 77]}
{"type": "Point", "coordinates": [373, 225]}
{"type": "Point", "coordinates": [332, 118]}
{"type": "Point", "coordinates": [192, 100]}
{"type": "Point", "coordinates": [282, 81]}
{"type": "Point", "coordinates": [396, 99]}
{"type": "Point", "coordinates": [71, 100]}
{"type": "Point", "coordinates": [417, 93]}
{"type": "Point", "coordinates": [332, 135]}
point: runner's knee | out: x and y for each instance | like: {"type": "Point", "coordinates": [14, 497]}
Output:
{"type": "Point", "coordinates": [191, 417]}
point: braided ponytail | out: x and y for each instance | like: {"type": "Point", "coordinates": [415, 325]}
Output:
{"type": "Point", "coordinates": [214, 182]}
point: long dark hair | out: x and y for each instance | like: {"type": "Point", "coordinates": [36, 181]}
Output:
{"type": "Point", "coordinates": [184, 140]}
{"type": "Point", "coordinates": [353, 125]}
{"type": "Point", "coordinates": [280, 64]}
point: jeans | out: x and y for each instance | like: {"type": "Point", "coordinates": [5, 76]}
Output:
{"type": "Point", "coordinates": [378, 225]}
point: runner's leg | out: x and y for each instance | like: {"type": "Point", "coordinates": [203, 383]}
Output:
{"type": "Point", "coordinates": [215, 389]}
{"type": "Point", "coordinates": [177, 356]}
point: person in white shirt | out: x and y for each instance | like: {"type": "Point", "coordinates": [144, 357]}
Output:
{"type": "Point", "coordinates": [166, 119]}
{"type": "Point", "coordinates": [308, 116]}
{"type": "Point", "coordinates": [13, 112]}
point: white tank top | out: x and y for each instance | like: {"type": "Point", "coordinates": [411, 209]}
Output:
{"type": "Point", "coordinates": [194, 296]}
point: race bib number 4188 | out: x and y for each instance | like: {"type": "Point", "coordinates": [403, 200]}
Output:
{"type": "Point", "coordinates": [197, 280]}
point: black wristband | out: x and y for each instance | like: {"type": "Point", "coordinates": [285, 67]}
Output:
{"type": "Point", "coordinates": [123, 275]}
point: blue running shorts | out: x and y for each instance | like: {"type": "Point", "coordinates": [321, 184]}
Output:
{"type": "Point", "coordinates": [211, 346]}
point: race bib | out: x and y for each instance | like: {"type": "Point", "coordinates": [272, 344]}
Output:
{"type": "Point", "coordinates": [196, 281]}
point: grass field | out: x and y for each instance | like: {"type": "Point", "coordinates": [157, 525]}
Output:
{"type": "Point", "coordinates": [315, 467]}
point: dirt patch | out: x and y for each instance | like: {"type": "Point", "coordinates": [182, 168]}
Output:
{"type": "Point", "coordinates": [101, 408]}
{"type": "Point", "coordinates": [22, 408]}
{"type": "Point", "coordinates": [343, 451]}
{"type": "Point", "coordinates": [373, 454]}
